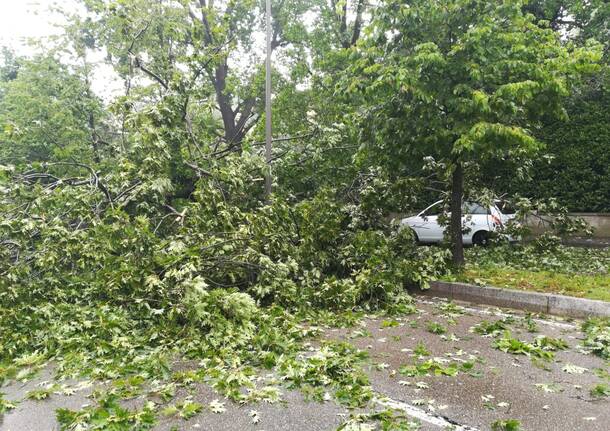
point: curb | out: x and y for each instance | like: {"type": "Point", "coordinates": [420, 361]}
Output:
{"type": "Point", "coordinates": [531, 301]}
{"type": "Point", "coordinates": [587, 242]}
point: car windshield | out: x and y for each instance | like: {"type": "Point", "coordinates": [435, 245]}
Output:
{"type": "Point", "coordinates": [434, 210]}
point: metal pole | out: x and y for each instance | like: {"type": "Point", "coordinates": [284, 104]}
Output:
{"type": "Point", "coordinates": [268, 128]}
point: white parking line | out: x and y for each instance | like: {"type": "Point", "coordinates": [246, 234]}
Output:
{"type": "Point", "coordinates": [422, 415]}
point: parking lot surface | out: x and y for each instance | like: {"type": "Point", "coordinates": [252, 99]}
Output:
{"type": "Point", "coordinates": [432, 366]}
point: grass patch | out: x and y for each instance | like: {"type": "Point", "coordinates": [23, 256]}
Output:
{"type": "Point", "coordinates": [571, 271]}
{"type": "Point", "coordinates": [582, 286]}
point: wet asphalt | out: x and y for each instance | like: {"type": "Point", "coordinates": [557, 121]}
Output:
{"type": "Point", "coordinates": [541, 395]}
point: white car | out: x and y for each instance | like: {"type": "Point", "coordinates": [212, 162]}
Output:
{"type": "Point", "coordinates": [477, 222]}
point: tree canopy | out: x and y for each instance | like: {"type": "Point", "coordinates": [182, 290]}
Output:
{"type": "Point", "coordinates": [461, 81]}
{"type": "Point", "coordinates": [135, 229]}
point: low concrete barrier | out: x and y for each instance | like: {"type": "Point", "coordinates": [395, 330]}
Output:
{"type": "Point", "coordinates": [600, 222]}
{"type": "Point", "coordinates": [530, 301]}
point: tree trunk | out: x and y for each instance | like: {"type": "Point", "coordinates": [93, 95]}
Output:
{"type": "Point", "coordinates": [455, 225]}
{"type": "Point", "coordinates": [94, 139]}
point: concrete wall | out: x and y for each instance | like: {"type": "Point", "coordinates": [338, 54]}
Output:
{"type": "Point", "coordinates": [599, 221]}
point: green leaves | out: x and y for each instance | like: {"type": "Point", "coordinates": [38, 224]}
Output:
{"type": "Point", "coordinates": [459, 79]}
{"type": "Point", "coordinates": [506, 425]}
{"type": "Point", "coordinates": [436, 328]}
{"type": "Point", "coordinates": [40, 394]}
{"type": "Point", "coordinates": [107, 415]}
{"type": "Point", "coordinates": [600, 390]}
{"type": "Point", "coordinates": [598, 336]}
{"type": "Point", "coordinates": [6, 405]}
{"type": "Point", "coordinates": [45, 112]}
{"type": "Point", "coordinates": [495, 139]}
{"type": "Point", "coordinates": [185, 409]}
{"type": "Point", "coordinates": [537, 349]}
{"type": "Point", "coordinates": [435, 367]}
{"type": "Point", "coordinates": [334, 365]}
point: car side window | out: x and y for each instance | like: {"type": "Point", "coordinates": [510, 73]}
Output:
{"type": "Point", "coordinates": [474, 209]}
{"type": "Point", "coordinates": [505, 207]}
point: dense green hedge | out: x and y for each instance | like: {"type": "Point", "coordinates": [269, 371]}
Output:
{"type": "Point", "coordinates": [579, 174]}
{"type": "Point", "coordinates": [577, 169]}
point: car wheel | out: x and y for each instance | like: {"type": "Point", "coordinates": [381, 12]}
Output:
{"type": "Point", "coordinates": [481, 239]}
{"type": "Point", "coordinates": [415, 237]}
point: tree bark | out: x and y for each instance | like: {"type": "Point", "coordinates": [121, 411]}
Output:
{"type": "Point", "coordinates": [357, 23]}
{"type": "Point", "coordinates": [455, 224]}
{"type": "Point", "coordinates": [94, 138]}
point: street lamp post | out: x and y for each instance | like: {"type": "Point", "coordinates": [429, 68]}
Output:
{"type": "Point", "coordinates": [268, 128]}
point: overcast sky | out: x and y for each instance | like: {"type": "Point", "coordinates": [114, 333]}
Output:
{"type": "Point", "coordinates": [21, 20]}
{"type": "Point", "coordinates": [24, 19]}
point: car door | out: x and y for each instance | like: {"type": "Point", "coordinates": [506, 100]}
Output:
{"type": "Point", "coordinates": [427, 227]}
{"type": "Point", "coordinates": [475, 217]}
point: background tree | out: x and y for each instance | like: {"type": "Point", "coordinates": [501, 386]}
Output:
{"type": "Point", "coordinates": [195, 69]}
{"type": "Point", "coordinates": [46, 112]}
{"type": "Point", "coordinates": [9, 65]}
{"type": "Point", "coordinates": [197, 49]}
{"type": "Point", "coordinates": [573, 165]}
{"type": "Point", "coordinates": [462, 81]}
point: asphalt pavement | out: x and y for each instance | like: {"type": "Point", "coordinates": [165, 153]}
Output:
{"type": "Point", "coordinates": [541, 395]}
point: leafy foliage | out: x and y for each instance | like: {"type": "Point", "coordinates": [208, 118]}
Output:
{"type": "Point", "coordinates": [387, 419]}
{"type": "Point", "coordinates": [569, 260]}
{"type": "Point", "coordinates": [506, 425]}
{"type": "Point", "coordinates": [109, 415]}
{"type": "Point", "coordinates": [435, 367]}
{"type": "Point", "coordinates": [598, 336]}
{"type": "Point", "coordinates": [541, 347]}
{"type": "Point", "coordinates": [600, 390]}
{"type": "Point", "coordinates": [47, 112]}
{"type": "Point", "coordinates": [137, 234]}
{"type": "Point", "coordinates": [492, 328]}
{"type": "Point", "coordinates": [110, 283]}
{"type": "Point", "coordinates": [5, 404]}
{"type": "Point", "coordinates": [575, 169]}
{"type": "Point", "coordinates": [461, 82]}
{"type": "Point", "coordinates": [335, 364]}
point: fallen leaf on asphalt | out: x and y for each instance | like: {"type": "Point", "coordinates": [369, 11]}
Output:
{"type": "Point", "coordinates": [254, 415]}
{"type": "Point", "coordinates": [550, 388]}
{"type": "Point", "coordinates": [217, 407]}
{"type": "Point", "coordinates": [574, 369]}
